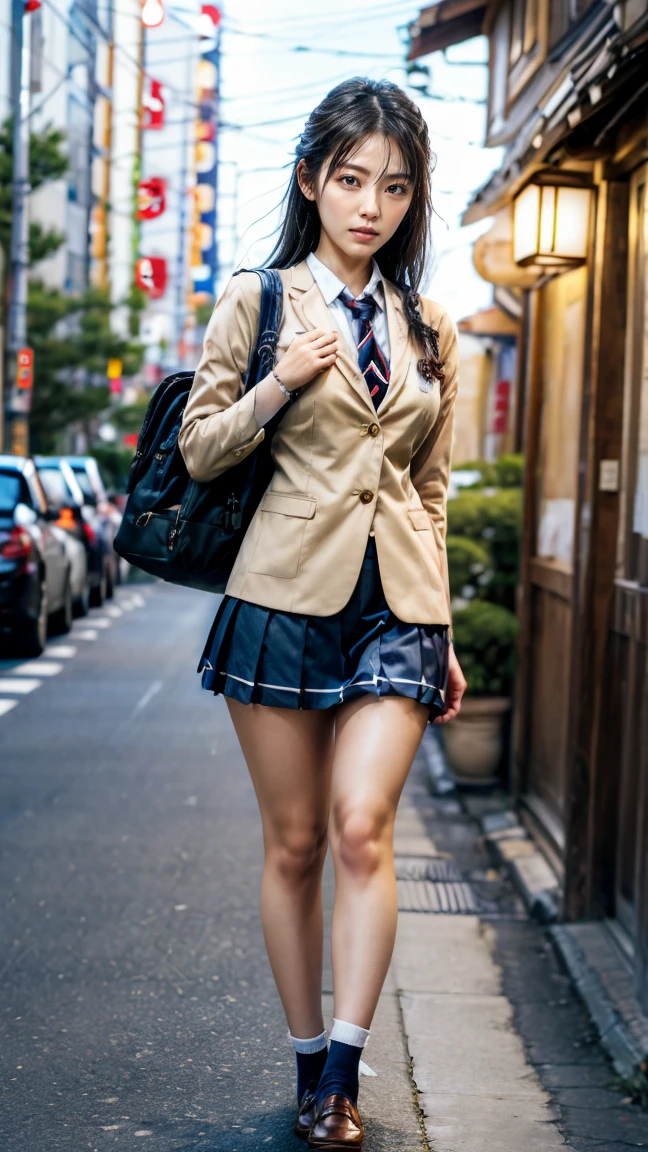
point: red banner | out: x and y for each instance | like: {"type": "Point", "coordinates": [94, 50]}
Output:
{"type": "Point", "coordinates": [151, 198]}
{"type": "Point", "coordinates": [153, 106]}
{"type": "Point", "coordinates": [151, 275]}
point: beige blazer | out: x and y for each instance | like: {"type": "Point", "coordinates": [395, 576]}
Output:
{"type": "Point", "coordinates": [341, 468]}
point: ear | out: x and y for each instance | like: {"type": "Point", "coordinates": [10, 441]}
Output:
{"type": "Point", "coordinates": [305, 184]}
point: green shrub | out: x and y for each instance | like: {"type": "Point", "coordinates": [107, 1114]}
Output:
{"type": "Point", "coordinates": [484, 639]}
{"type": "Point", "coordinates": [509, 470]}
{"type": "Point", "coordinates": [495, 521]}
{"type": "Point", "coordinates": [488, 473]}
{"type": "Point", "coordinates": [506, 472]}
{"type": "Point", "coordinates": [469, 566]}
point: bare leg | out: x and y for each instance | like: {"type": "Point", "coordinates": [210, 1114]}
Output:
{"type": "Point", "coordinates": [289, 757]}
{"type": "Point", "coordinates": [375, 743]}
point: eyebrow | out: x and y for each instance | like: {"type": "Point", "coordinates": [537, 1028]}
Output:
{"type": "Point", "coordinates": [366, 172]}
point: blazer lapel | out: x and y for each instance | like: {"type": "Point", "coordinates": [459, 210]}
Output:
{"type": "Point", "coordinates": [310, 307]}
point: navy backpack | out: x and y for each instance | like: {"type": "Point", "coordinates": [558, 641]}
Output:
{"type": "Point", "coordinates": [177, 528]}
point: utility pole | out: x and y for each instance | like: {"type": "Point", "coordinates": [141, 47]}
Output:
{"type": "Point", "coordinates": [19, 398]}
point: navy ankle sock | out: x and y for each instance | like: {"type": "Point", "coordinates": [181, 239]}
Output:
{"type": "Point", "coordinates": [310, 1066]}
{"type": "Point", "coordinates": [341, 1071]}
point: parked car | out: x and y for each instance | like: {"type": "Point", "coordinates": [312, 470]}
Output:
{"type": "Point", "coordinates": [90, 480]}
{"type": "Point", "coordinates": [35, 570]}
{"type": "Point", "coordinates": [81, 520]}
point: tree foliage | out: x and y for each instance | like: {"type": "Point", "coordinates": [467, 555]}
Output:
{"type": "Point", "coordinates": [47, 162]}
{"type": "Point", "coordinates": [72, 341]}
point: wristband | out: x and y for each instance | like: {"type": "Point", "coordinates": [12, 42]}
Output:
{"type": "Point", "coordinates": [291, 395]}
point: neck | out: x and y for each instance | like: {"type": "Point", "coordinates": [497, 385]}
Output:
{"type": "Point", "coordinates": [354, 271]}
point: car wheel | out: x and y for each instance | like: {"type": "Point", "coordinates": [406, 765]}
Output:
{"type": "Point", "coordinates": [30, 636]}
{"type": "Point", "coordinates": [98, 592]}
{"type": "Point", "coordinates": [82, 602]}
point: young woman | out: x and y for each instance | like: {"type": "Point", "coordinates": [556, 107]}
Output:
{"type": "Point", "coordinates": [332, 643]}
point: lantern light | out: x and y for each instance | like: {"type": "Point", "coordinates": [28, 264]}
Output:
{"type": "Point", "coordinates": [551, 224]}
{"type": "Point", "coordinates": [152, 13]}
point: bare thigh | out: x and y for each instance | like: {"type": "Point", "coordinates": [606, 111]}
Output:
{"type": "Point", "coordinates": [376, 740]}
{"type": "Point", "coordinates": [289, 754]}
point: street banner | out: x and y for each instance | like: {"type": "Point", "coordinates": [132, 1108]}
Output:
{"type": "Point", "coordinates": [25, 373]}
{"type": "Point", "coordinates": [151, 198]}
{"type": "Point", "coordinates": [204, 261]}
{"type": "Point", "coordinates": [151, 275]}
{"type": "Point", "coordinates": [152, 105]}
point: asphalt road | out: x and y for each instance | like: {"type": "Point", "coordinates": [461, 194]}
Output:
{"type": "Point", "coordinates": [136, 999]}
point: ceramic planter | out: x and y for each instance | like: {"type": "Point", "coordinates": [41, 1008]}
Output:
{"type": "Point", "coordinates": [473, 741]}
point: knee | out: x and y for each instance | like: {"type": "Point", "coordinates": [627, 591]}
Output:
{"type": "Point", "coordinates": [361, 842]}
{"type": "Point", "coordinates": [298, 853]}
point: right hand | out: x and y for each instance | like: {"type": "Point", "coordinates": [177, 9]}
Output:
{"type": "Point", "coordinates": [308, 354]}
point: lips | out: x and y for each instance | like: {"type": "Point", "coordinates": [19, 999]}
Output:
{"type": "Point", "coordinates": [364, 231]}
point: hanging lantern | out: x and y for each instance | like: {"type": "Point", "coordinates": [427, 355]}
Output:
{"type": "Point", "coordinates": [551, 223]}
{"type": "Point", "coordinates": [153, 106]}
{"type": "Point", "coordinates": [152, 13]}
{"type": "Point", "coordinates": [151, 275]}
{"type": "Point", "coordinates": [151, 198]}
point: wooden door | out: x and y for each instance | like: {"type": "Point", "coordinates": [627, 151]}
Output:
{"type": "Point", "coordinates": [553, 433]}
{"type": "Point", "coordinates": [628, 643]}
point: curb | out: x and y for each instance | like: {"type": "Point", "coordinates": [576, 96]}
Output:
{"type": "Point", "coordinates": [512, 849]}
{"type": "Point", "coordinates": [612, 1028]}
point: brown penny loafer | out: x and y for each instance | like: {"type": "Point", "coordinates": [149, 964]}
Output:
{"type": "Point", "coordinates": [306, 1113]}
{"type": "Point", "coordinates": [336, 1125]}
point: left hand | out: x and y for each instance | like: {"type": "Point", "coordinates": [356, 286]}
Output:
{"type": "Point", "coordinates": [457, 685]}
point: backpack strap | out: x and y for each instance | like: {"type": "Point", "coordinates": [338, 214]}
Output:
{"type": "Point", "coordinates": [262, 355]}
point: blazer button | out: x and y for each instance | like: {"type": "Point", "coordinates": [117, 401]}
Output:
{"type": "Point", "coordinates": [366, 496]}
{"type": "Point", "coordinates": [373, 429]}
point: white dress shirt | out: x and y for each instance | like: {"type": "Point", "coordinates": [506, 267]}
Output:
{"type": "Point", "coordinates": [342, 318]}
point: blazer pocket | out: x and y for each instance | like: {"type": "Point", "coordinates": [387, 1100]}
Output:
{"type": "Point", "coordinates": [420, 519]}
{"type": "Point", "coordinates": [283, 518]}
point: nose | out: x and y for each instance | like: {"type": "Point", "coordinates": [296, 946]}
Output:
{"type": "Point", "coordinates": [370, 207]}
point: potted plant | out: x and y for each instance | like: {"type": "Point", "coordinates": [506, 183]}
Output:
{"type": "Point", "coordinates": [484, 528]}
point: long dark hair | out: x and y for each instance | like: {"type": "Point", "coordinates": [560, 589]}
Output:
{"type": "Point", "coordinates": [351, 112]}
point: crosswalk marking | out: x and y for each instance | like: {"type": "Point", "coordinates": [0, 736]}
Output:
{"type": "Point", "coordinates": [21, 685]}
{"type": "Point", "coordinates": [24, 678]}
{"type": "Point", "coordinates": [63, 651]}
{"type": "Point", "coordinates": [43, 667]}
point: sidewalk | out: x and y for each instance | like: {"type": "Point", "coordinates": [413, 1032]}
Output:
{"type": "Point", "coordinates": [505, 1058]}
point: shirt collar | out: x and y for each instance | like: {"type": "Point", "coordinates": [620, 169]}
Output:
{"type": "Point", "coordinates": [330, 285]}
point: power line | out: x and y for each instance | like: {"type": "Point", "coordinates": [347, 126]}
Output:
{"type": "Point", "coordinates": [322, 51]}
{"type": "Point", "coordinates": [367, 13]}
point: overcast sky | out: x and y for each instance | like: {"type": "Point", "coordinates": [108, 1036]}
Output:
{"type": "Point", "coordinates": [280, 60]}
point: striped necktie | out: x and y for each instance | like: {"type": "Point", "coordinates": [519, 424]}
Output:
{"type": "Point", "coordinates": [373, 365]}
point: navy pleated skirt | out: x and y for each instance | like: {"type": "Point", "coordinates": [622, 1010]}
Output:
{"type": "Point", "coordinates": [291, 660]}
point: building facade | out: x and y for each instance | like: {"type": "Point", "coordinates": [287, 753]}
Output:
{"type": "Point", "coordinates": [568, 100]}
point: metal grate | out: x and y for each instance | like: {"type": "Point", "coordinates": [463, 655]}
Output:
{"type": "Point", "coordinates": [433, 884]}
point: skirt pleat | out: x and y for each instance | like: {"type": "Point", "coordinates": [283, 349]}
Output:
{"type": "Point", "coordinates": [293, 660]}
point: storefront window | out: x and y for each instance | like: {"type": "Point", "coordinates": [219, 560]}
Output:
{"type": "Point", "coordinates": [636, 439]}
{"type": "Point", "coordinates": [563, 306]}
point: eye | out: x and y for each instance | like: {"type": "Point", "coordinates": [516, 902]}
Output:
{"type": "Point", "coordinates": [347, 177]}
{"type": "Point", "coordinates": [404, 188]}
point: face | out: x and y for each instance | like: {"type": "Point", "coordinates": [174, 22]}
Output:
{"type": "Point", "coordinates": [359, 208]}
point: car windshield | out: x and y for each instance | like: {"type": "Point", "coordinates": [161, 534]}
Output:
{"type": "Point", "coordinates": [84, 483]}
{"type": "Point", "coordinates": [55, 487]}
{"type": "Point", "coordinates": [11, 491]}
